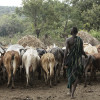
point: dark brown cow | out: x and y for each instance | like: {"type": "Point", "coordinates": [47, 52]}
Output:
{"type": "Point", "coordinates": [93, 65]}
{"type": "Point", "coordinates": [59, 56]}
{"type": "Point", "coordinates": [88, 67]}
{"type": "Point", "coordinates": [96, 62]}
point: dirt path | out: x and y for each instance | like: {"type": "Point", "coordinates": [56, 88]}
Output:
{"type": "Point", "coordinates": [41, 92]}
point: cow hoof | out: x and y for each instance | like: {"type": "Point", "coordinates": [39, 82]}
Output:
{"type": "Point", "coordinates": [39, 78]}
{"type": "Point", "coordinates": [8, 85]}
{"type": "Point", "coordinates": [85, 86]}
{"type": "Point", "coordinates": [55, 84]}
{"type": "Point", "coordinates": [89, 83]}
{"type": "Point", "coordinates": [72, 97]}
{"type": "Point", "coordinates": [27, 86]}
{"type": "Point", "coordinates": [31, 84]}
{"type": "Point", "coordinates": [64, 76]}
{"type": "Point", "coordinates": [50, 86]}
{"type": "Point", "coordinates": [46, 83]}
{"type": "Point", "coordinates": [12, 87]}
{"type": "Point", "coordinates": [58, 81]}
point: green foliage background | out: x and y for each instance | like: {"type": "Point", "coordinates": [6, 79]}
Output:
{"type": "Point", "coordinates": [50, 20]}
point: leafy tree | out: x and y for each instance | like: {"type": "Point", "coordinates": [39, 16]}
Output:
{"type": "Point", "coordinates": [92, 17]}
{"type": "Point", "coordinates": [10, 25]}
{"type": "Point", "coordinates": [84, 13]}
{"type": "Point", "coordinates": [40, 12]}
{"type": "Point", "coordinates": [6, 10]}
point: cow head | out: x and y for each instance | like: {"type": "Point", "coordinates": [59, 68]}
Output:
{"type": "Point", "coordinates": [41, 52]}
{"type": "Point", "coordinates": [98, 49]}
{"type": "Point", "coordinates": [22, 51]}
{"type": "Point", "coordinates": [2, 51]}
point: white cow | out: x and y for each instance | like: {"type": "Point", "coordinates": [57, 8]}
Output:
{"type": "Point", "coordinates": [90, 49]}
{"type": "Point", "coordinates": [16, 47]}
{"type": "Point", "coordinates": [30, 61]}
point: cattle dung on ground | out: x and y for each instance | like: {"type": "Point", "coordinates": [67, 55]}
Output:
{"type": "Point", "coordinates": [88, 38]}
{"type": "Point", "coordinates": [32, 41]}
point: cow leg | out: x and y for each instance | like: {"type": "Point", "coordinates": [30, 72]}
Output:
{"type": "Point", "coordinates": [39, 73]}
{"type": "Point", "coordinates": [13, 75]}
{"type": "Point", "coordinates": [4, 73]}
{"type": "Point", "coordinates": [59, 68]}
{"type": "Point", "coordinates": [86, 74]}
{"type": "Point", "coordinates": [31, 77]}
{"type": "Point", "coordinates": [50, 82]}
{"type": "Point", "coordinates": [64, 73]}
{"type": "Point", "coordinates": [45, 77]}
{"type": "Point", "coordinates": [55, 75]}
{"type": "Point", "coordinates": [94, 75]}
{"type": "Point", "coordinates": [20, 72]}
{"type": "Point", "coordinates": [9, 79]}
{"type": "Point", "coordinates": [27, 76]}
{"type": "Point", "coordinates": [91, 74]}
{"type": "Point", "coordinates": [51, 74]}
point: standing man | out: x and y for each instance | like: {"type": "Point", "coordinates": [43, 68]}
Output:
{"type": "Point", "coordinates": [73, 60]}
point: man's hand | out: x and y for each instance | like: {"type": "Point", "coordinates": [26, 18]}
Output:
{"type": "Point", "coordinates": [86, 56]}
{"type": "Point", "coordinates": [65, 67]}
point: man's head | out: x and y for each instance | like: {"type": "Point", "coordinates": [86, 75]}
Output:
{"type": "Point", "coordinates": [74, 31]}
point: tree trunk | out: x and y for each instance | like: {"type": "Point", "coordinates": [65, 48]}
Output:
{"type": "Point", "coordinates": [65, 28]}
{"type": "Point", "coordinates": [37, 32]}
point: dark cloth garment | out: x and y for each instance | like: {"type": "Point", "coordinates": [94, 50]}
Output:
{"type": "Point", "coordinates": [74, 62]}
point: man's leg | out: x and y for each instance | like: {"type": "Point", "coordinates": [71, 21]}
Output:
{"type": "Point", "coordinates": [70, 92]}
{"type": "Point", "coordinates": [74, 88]}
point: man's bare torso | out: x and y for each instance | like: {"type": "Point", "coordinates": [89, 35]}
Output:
{"type": "Point", "coordinates": [70, 42]}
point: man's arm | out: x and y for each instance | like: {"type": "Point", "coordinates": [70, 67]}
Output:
{"type": "Point", "coordinates": [66, 51]}
{"type": "Point", "coordinates": [83, 51]}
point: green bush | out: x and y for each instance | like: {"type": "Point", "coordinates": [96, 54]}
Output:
{"type": "Point", "coordinates": [95, 34]}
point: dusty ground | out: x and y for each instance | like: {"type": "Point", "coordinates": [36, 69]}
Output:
{"type": "Point", "coordinates": [41, 92]}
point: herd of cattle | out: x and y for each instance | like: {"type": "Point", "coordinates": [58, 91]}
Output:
{"type": "Point", "coordinates": [15, 58]}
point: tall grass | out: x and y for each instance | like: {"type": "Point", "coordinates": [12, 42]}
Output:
{"type": "Point", "coordinates": [54, 38]}
{"type": "Point", "coordinates": [95, 34]}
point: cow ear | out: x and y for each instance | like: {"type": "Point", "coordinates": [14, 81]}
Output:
{"type": "Point", "coordinates": [20, 50]}
{"type": "Point", "coordinates": [2, 54]}
{"type": "Point", "coordinates": [4, 50]}
{"type": "Point", "coordinates": [25, 50]}
{"type": "Point", "coordinates": [45, 51]}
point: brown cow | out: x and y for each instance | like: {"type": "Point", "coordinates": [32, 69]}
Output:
{"type": "Point", "coordinates": [48, 62]}
{"type": "Point", "coordinates": [92, 66]}
{"type": "Point", "coordinates": [88, 67]}
{"type": "Point", "coordinates": [11, 62]}
{"type": "Point", "coordinates": [96, 62]}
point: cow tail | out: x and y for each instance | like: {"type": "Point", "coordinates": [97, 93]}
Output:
{"type": "Point", "coordinates": [94, 63]}
{"type": "Point", "coordinates": [12, 60]}
{"type": "Point", "coordinates": [89, 59]}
